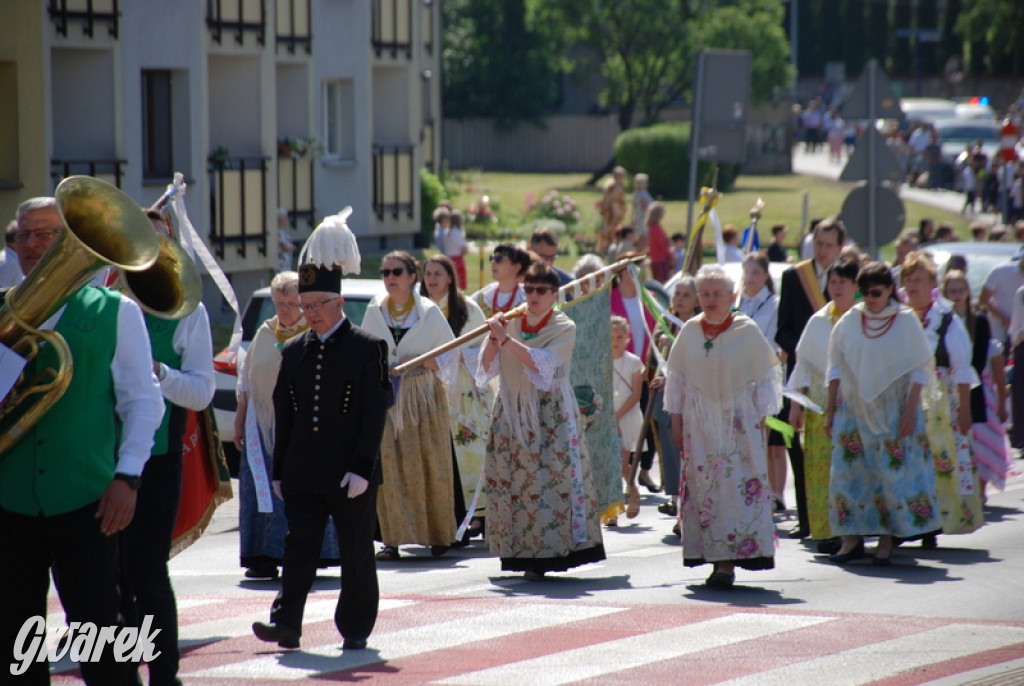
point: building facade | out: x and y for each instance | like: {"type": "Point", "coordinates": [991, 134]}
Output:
{"type": "Point", "coordinates": [306, 105]}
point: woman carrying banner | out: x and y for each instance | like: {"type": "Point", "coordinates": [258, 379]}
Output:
{"type": "Point", "coordinates": [542, 508]}
{"type": "Point", "coordinates": [718, 409]}
{"type": "Point", "coordinates": [416, 501]}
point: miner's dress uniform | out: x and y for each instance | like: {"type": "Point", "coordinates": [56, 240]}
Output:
{"type": "Point", "coordinates": [330, 404]}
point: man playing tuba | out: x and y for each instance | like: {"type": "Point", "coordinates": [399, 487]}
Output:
{"type": "Point", "coordinates": [70, 483]}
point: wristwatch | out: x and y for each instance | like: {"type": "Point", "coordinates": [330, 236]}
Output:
{"type": "Point", "coordinates": [133, 480]}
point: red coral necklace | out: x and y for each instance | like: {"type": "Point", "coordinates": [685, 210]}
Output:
{"type": "Point", "coordinates": [713, 331]}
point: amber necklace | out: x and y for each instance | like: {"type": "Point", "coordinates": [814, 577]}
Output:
{"type": "Point", "coordinates": [876, 327]}
{"type": "Point", "coordinates": [834, 314]}
{"type": "Point", "coordinates": [399, 315]}
{"type": "Point", "coordinates": [532, 331]}
{"type": "Point", "coordinates": [713, 331]}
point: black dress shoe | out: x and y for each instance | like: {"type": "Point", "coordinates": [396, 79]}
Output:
{"type": "Point", "coordinates": [354, 643]}
{"type": "Point", "coordinates": [798, 533]}
{"type": "Point", "coordinates": [276, 633]}
{"type": "Point", "coordinates": [669, 509]}
{"type": "Point", "coordinates": [855, 554]}
{"type": "Point", "coordinates": [721, 580]}
{"type": "Point", "coordinates": [649, 485]}
{"type": "Point", "coordinates": [882, 561]}
{"type": "Point", "coordinates": [830, 546]}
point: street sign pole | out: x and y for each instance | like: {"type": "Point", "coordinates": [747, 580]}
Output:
{"type": "Point", "coordinates": [872, 162]}
{"type": "Point", "coordinates": [694, 140]}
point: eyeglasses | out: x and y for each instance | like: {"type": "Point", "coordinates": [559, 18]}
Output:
{"type": "Point", "coordinates": [539, 290]}
{"type": "Point", "coordinates": [397, 271]}
{"type": "Point", "coordinates": [316, 307]}
{"type": "Point", "coordinates": [41, 234]}
{"type": "Point", "coordinates": [875, 292]}
{"type": "Point", "coordinates": [498, 259]}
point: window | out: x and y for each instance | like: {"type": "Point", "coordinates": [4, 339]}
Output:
{"type": "Point", "coordinates": [157, 125]}
{"type": "Point", "coordinates": [339, 129]}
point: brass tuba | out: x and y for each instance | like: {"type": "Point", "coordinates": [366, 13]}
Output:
{"type": "Point", "coordinates": [103, 226]}
{"type": "Point", "coordinates": [170, 288]}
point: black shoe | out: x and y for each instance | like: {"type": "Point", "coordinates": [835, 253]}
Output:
{"type": "Point", "coordinates": [354, 643]}
{"type": "Point", "coordinates": [830, 546]}
{"type": "Point", "coordinates": [669, 509]}
{"type": "Point", "coordinates": [262, 572]}
{"type": "Point", "coordinates": [798, 533]}
{"type": "Point", "coordinates": [779, 505]}
{"type": "Point", "coordinates": [855, 554]}
{"type": "Point", "coordinates": [648, 484]}
{"type": "Point", "coordinates": [276, 633]}
{"type": "Point", "coordinates": [720, 580]}
{"type": "Point", "coordinates": [930, 542]}
{"type": "Point", "coordinates": [438, 550]}
{"type": "Point", "coordinates": [882, 561]}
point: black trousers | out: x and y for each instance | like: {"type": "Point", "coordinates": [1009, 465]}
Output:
{"type": "Point", "coordinates": [145, 548]}
{"type": "Point", "coordinates": [85, 560]}
{"type": "Point", "coordinates": [796, 461]}
{"type": "Point", "coordinates": [354, 520]}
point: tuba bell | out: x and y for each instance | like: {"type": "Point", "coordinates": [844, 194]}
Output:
{"type": "Point", "coordinates": [103, 226]}
{"type": "Point", "coordinates": [170, 288]}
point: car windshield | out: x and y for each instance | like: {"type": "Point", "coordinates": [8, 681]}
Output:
{"type": "Point", "coordinates": [261, 309]}
{"type": "Point", "coordinates": [968, 134]}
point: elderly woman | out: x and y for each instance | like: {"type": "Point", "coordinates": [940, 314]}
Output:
{"type": "Point", "coordinates": [261, 521]}
{"type": "Point", "coordinates": [416, 501]}
{"type": "Point", "coordinates": [470, 407]}
{"type": "Point", "coordinates": [948, 412]}
{"type": "Point", "coordinates": [882, 482]}
{"type": "Point", "coordinates": [808, 377]}
{"type": "Point", "coordinates": [718, 409]}
{"type": "Point", "coordinates": [542, 507]}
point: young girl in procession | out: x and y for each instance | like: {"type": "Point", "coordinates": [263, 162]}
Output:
{"type": "Point", "coordinates": [508, 264]}
{"type": "Point", "coordinates": [988, 401]}
{"type": "Point", "coordinates": [470, 407]}
{"type": "Point", "coordinates": [627, 383]}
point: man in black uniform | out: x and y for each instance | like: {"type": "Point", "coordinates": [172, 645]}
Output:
{"type": "Point", "coordinates": [330, 403]}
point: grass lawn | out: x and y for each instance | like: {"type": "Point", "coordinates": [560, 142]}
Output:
{"type": "Point", "coordinates": [783, 196]}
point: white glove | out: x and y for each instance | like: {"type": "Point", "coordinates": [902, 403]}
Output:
{"type": "Point", "coordinates": [356, 484]}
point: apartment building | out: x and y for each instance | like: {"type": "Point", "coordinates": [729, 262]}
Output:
{"type": "Point", "coordinates": [306, 105]}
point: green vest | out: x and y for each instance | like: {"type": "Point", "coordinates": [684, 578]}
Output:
{"type": "Point", "coordinates": [66, 461]}
{"type": "Point", "coordinates": [161, 340]}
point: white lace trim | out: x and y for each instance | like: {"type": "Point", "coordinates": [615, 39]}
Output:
{"type": "Point", "coordinates": [548, 363]}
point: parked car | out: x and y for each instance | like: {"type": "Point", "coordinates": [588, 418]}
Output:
{"type": "Point", "coordinates": [957, 134]}
{"type": "Point", "coordinates": [357, 294]}
{"type": "Point", "coordinates": [981, 257]}
{"type": "Point", "coordinates": [926, 110]}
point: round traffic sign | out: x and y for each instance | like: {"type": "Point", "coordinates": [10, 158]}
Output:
{"type": "Point", "coordinates": [889, 215]}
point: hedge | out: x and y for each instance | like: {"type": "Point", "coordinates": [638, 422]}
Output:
{"type": "Point", "coordinates": [662, 151]}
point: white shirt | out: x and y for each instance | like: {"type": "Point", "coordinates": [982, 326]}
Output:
{"type": "Point", "coordinates": [807, 247]}
{"type": "Point", "coordinates": [1003, 281]}
{"type": "Point", "coordinates": [451, 241]}
{"type": "Point", "coordinates": [958, 343]}
{"type": "Point", "coordinates": [732, 253]}
{"type": "Point", "coordinates": [138, 402]}
{"type": "Point", "coordinates": [763, 308]}
{"type": "Point", "coordinates": [193, 385]}
{"type": "Point", "coordinates": [10, 269]}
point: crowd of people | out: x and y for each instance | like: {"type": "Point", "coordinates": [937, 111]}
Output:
{"type": "Point", "coordinates": [445, 416]}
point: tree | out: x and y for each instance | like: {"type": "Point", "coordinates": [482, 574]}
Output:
{"type": "Point", "coordinates": [495, 65]}
{"type": "Point", "coordinates": [995, 28]}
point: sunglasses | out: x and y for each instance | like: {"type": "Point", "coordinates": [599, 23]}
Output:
{"type": "Point", "coordinates": [539, 290]}
{"type": "Point", "coordinates": [397, 271]}
{"type": "Point", "coordinates": [498, 259]}
{"type": "Point", "coordinates": [875, 292]}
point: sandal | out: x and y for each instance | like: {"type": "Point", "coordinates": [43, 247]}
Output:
{"type": "Point", "coordinates": [633, 503]}
{"type": "Point", "coordinates": [388, 553]}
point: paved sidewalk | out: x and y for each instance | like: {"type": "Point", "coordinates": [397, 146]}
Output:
{"type": "Point", "coordinates": [818, 164]}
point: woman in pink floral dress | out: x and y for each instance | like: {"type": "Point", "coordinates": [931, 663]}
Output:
{"type": "Point", "coordinates": [718, 409]}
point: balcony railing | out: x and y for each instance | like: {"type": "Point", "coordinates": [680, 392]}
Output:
{"type": "Point", "coordinates": [295, 25]}
{"type": "Point", "coordinates": [393, 180]}
{"type": "Point", "coordinates": [237, 16]}
{"type": "Point", "coordinates": [238, 201]}
{"type": "Point", "coordinates": [87, 12]}
{"type": "Point", "coordinates": [392, 27]}
{"type": "Point", "coordinates": [295, 189]}
{"type": "Point", "coordinates": [111, 171]}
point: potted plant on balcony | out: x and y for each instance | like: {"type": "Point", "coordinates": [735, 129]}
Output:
{"type": "Point", "coordinates": [300, 148]}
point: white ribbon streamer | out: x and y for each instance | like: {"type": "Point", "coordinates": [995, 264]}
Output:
{"type": "Point", "coordinates": [257, 465]}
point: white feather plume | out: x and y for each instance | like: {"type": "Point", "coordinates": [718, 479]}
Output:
{"type": "Point", "coordinates": [332, 244]}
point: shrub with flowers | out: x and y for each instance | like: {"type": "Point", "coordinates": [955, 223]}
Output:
{"type": "Point", "coordinates": [555, 206]}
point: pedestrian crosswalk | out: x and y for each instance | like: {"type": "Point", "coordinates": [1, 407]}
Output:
{"type": "Point", "coordinates": [537, 641]}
